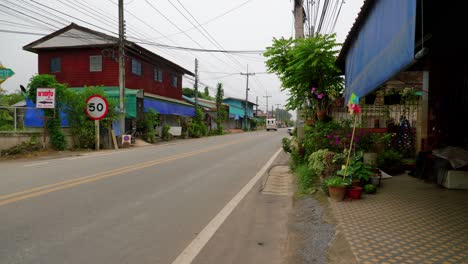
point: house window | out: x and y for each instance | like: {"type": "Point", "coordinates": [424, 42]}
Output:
{"type": "Point", "coordinates": [174, 80]}
{"type": "Point", "coordinates": [55, 64]}
{"type": "Point", "coordinates": [136, 67]}
{"type": "Point", "coordinates": [158, 74]}
{"type": "Point", "coordinates": [95, 63]}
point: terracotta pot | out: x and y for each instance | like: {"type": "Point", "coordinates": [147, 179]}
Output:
{"type": "Point", "coordinates": [339, 102]}
{"type": "Point", "coordinates": [356, 183]}
{"type": "Point", "coordinates": [337, 193]}
{"type": "Point", "coordinates": [309, 121]}
{"type": "Point", "coordinates": [321, 115]}
{"type": "Point", "coordinates": [354, 193]}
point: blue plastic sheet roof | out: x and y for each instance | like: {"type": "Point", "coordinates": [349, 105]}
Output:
{"type": "Point", "coordinates": [168, 108]}
{"type": "Point", "coordinates": [383, 47]}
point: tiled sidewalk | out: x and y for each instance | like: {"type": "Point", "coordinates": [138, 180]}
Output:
{"type": "Point", "coordinates": [407, 221]}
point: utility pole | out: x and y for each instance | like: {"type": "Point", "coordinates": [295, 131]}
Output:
{"type": "Point", "coordinates": [266, 96]}
{"type": "Point", "coordinates": [246, 97]}
{"type": "Point", "coordinates": [256, 110]}
{"type": "Point", "coordinates": [196, 83]}
{"type": "Point", "coordinates": [299, 33]}
{"type": "Point", "coordinates": [278, 113]}
{"type": "Point", "coordinates": [122, 67]}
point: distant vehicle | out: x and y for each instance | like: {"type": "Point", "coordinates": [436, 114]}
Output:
{"type": "Point", "coordinates": [291, 130]}
{"type": "Point", "coordinates": [271, 124]}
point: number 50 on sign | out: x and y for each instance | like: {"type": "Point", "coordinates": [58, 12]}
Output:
{"type": "Point", "coordinates": [96, 107]}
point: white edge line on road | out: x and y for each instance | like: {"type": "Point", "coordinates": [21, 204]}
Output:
{"type": "Point", "coordinates": [192, 250]}
{"type": "Point", "coordinates": [35, 164]}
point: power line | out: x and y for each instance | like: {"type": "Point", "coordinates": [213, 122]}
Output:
{"type": "Point", "coordinates": [175, 25]}
{"type": "Point", "coordinates": [338, 15]}
{"type": "Point", "coordinates": [24, 14]}
{"type": "Point", "coordinates": [210, 37]}
{"type": "Point", "coordinates": [65, 14]}
{"type": "Point", "coordinates": [213, 19]}
{"type": "Point", "coordinates": [40, 9]}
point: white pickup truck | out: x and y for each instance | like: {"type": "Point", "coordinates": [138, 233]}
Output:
{"type": "Point", "coordinates": [271, 124]}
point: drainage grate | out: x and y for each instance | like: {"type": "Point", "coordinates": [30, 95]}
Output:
{"type": "Point", "coordinates": [279, 182]}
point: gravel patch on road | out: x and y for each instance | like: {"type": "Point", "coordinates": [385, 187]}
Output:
{"type": "Point", "coordinates": [310, 234]}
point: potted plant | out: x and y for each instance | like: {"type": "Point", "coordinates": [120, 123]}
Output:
{"type": "Point", "coordinates": [392, 98]}
{"type": "Point", "coordinates": [357, 170]}
{"type": "Point", "coordinates": [336, 187]}
{"type": "Point", "coordinates": [354, 192]}
{"type": "Point", "coordinates": [390, 161]}
{"type": "Point", "coordinates": [376, 178]}
{"type": "Point", "coordinates": [369, 189]}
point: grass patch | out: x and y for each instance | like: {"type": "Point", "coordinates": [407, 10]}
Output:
{"type": "Point", "coordinates": [305, 180]}
{"type": "Point", "coordinates": [20, 149]}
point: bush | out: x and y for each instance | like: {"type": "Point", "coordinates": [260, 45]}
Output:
{"type": "Point", "coordinates": [81, 126]}
{"type": "Point", "coordinates": [286, 145]}
{"type": "Point", "coordinates": [165, 135]}
{"type": "Point", "coordinates": [57, 138]}
{"type": "Point", "coordinates": [320, 162]}
{"type": "Point", "coordinates": [389, 159]}
{"type": "Point", "coordinates": [22, 148]}
{"type": "Point", "coordinates": [334, 136]}
{"type": "Point", "coordinates": [198, 127]}
{"type": "Point", "coordinates": [305, 179]}
{"type": "Point", "coordinates": [369, 189]}
{"type": "Point", "coordinates": [147, 125]}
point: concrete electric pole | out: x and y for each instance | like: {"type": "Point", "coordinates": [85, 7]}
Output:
{"type": "Point", "coordinates": [196, 83]}
{"type": "Point", "coordinates": [122, 67]}
{"type": "Point", "coordinates": [299, 33]}
{"type": "Point", "coordinates": [246, 126]}
{"type": "Point", "coordinates": [266, 96]}
{"type": "Point", "coordinates": [278, 113]}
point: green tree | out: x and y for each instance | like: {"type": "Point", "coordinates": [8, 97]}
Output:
{"type": "Point", "coordinates": [220, 111]}
{"type": "Point", "coordinates": [303, 64]}
{"type": "Point", "coordinates": [147, 125]}
{"type": "Point", "coordinates": [198, 128]}
{"type": "Point", "coordinates": [53, 120]}
{"type": "Point", "coordinates": [189, 92]}
{"type": "Point", "coordinates": [81, 126]}
{"type": "Point", "coordinates": [7, 114]}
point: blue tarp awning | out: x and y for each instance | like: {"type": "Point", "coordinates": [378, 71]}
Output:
{"type": "Point", "coordinates": [383, 47]}
{"type": "Point", "coordinates": [167, 107]}
{"type": "Point", "coordinates": [33, 117]}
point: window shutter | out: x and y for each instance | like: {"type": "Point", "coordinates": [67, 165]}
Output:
{"type": "Point", "coordinates": [95, 63]}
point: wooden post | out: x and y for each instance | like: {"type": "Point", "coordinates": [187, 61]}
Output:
{"type": "Point", "coordinates": [44, 132]}
{"type": "Point", "coordinates": [96, 126]}
{"type": "Point", "coordinates": [114, 139]}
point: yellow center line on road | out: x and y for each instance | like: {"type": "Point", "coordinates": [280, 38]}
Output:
{"type": "Point", "coordinates": [33, 192]}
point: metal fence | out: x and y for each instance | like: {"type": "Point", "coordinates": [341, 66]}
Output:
{"type": "Point", "coordinates": [380, 116]}
{"type": "Point", "coordinates": [12, 118]}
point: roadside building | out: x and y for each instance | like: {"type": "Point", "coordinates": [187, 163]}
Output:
{"type": "Point", "coordinates": [210, 110]}
{"type": "Point", "coordinates": [400, 45]}
{"type": "Point", "coordinates": [80, 57]}
{"type": "Point", "coordinates": [237, 113]}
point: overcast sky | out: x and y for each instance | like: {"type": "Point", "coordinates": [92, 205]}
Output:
{"type": "Point", "coordinates": [230, 25]}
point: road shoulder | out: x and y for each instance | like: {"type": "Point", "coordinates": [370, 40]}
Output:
{"type": "Point", "coordinates": [255, 232]}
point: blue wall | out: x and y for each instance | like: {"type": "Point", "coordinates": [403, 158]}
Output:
{"type": "Point", "coordinates": [240, 104]}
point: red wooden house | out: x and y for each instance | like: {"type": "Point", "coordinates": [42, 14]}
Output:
{"type": "Point", "coordinates": [80, 57]}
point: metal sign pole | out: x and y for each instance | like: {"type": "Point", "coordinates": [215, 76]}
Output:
{"type": "Point", "coordinates": [44, 133]}
{"type": "Point", "coordinates": [96, 126]}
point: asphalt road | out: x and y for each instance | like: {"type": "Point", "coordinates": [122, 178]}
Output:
{"type": "Point", "coordinates": [142, 205]}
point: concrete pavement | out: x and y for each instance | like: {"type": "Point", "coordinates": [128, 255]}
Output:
{"type": "Point", "coordinates": [140, 206]}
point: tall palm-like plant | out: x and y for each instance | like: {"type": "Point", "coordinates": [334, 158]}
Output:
{"type": "Point", "coordinates": [307, 69]}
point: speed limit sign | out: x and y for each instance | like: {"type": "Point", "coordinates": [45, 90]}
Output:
{"type": "Point", "coordinates": [96, 107]}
